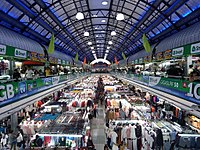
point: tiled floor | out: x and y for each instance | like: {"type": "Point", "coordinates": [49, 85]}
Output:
{"type": "Point", "coordinates": [98, 134]}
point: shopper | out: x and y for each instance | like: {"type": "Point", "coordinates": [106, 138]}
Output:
{"type": "Point", "coordinates": [19, 141]}
{"type": "Point", "coordinates": [90, 144]}
{"type": "Point", "coordinates": [4, 141]}
{"type": "Point", "coordinates": [16, 74]}
{"type": "Point", "coordinates": [29, 73]}
{"type": "Point", "coordinates": [22, 133]}
{"type": "Point", "coordinates": [38, 141]}
{"type": "Point", "coordinates": [106, 147]}
{"type": "Point", "coordinates": [95, 110]}
{"type": "Point", "coordinates": [12, 140]}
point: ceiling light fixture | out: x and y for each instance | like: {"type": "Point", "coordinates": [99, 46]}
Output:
{"type": "Point", "coordinates": [103, 31]}
{"type": "Point", "coordinates": [104, 3]}
{"type": "Point", "coordinates": [93, 52]}
{"type": "Point", "coordinates": [86, 33]}
{"type": "Point", "coordinates": [107, 51]}
{"type": "Point", "coordinates": [89, 43]}
{"type": "Point", "coordinates": [120, 16]}
{"type": "Point", "coordinates": [79, 16]}
{"type": "Point", "coordinates": [94, 15]}
{"type": "Point", "coordinates": [113, 33]}
{"type": "Point", "coordinates": [103, 21]}
{"type": "Point", "coordinates": [110, 42]}
{"type": "Point", "coordinates": [108, 47]}
{"type": "Point", "coordinates": [92, 47]}
{"type": "Point", "coordinates": [97, 35]}
{"type": "Point", "coordinates": [96, 28]}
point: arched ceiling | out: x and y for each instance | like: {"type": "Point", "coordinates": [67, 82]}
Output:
{"type": "Point", "coordinates": [100, 60]}
{"type": "Point", "coordinates": [38, 19]}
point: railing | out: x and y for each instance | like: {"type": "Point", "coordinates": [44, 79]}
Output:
{"type": "Point", "coordinates": [13, 91]}
{"type": "Point", "coordinates": [179, 87]}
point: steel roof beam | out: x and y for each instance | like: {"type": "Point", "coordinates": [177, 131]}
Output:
{"type": "Point", "coordinates": [49, 12]}
{"type": "Point", "coordinates": [39, 20]}
{"type": "Point", "coordinates": [167, 13]}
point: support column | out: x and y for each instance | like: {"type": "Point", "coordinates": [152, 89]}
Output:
{"type": "Point", "coordinates": [14, 121]}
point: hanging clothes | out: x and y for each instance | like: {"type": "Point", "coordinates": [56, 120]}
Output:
{"type": "Point", "coordinates": [159, 138]}
{"type": "Point", "coordinates": [133, 137]}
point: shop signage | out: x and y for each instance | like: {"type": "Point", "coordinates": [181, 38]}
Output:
{"type": "Point", "coordinates": [194, 91]}
{"type": "Point", "coordinates": [59, 61]}
{"type": "Point", "coordinates": [178, 51]}
{"type": "Point", "coordinates": [63, 62]}
{"type": "Point", "coordinates": [159, 56]}
{"type": "Point", "coordinates": [33, 56]}
{"type": "Point", "coordinates": [20, 53]}
{"type": "Point", "coordinates": [146, 59]}
{"type": "Point", "coordinates": [2, 49]}
{"type": "Point", "coordinates": [180, 88]}
{"type": "Point", "coordinates": [41, 57]}
{"type": "Point", "coordinates": [140, 60]}
{"type": "Point", "coordinates": [12, 92]}
{"type": "Point", "coordinates": [195, 48]}
{"type": "Point", "coordinates": [167, 54]}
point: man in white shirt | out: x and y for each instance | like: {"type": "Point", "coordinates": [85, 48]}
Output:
{"type": "Point", "coordinates": [4, 140]}
{"type": "Point", "coordinates": [114, 140]}
{"type": "Point", "coordinates": [29, 73]}
{"type": "Point", "coordinates": [19, 141]}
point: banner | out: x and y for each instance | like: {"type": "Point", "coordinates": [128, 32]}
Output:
{"type": "Point", "coordinates": [11, 92]}
{"type": "Point", "coordinates": [51, 45]}
{"type": "Point", "coordinates": [146, 44]}
{"type": "Point", "coordinates": [76, 57]}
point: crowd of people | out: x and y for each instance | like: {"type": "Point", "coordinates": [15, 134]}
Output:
{"type": "Point", "coordinates": [30, 73]}
{"type": "Point", "coordinates": [194, 71]}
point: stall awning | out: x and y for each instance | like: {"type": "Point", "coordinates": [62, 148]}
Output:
{"type": "Point", "coordinates": [35, 63]}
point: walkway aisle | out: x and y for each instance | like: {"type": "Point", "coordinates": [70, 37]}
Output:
{"type": "Point", "coordinates": [97, 126]}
